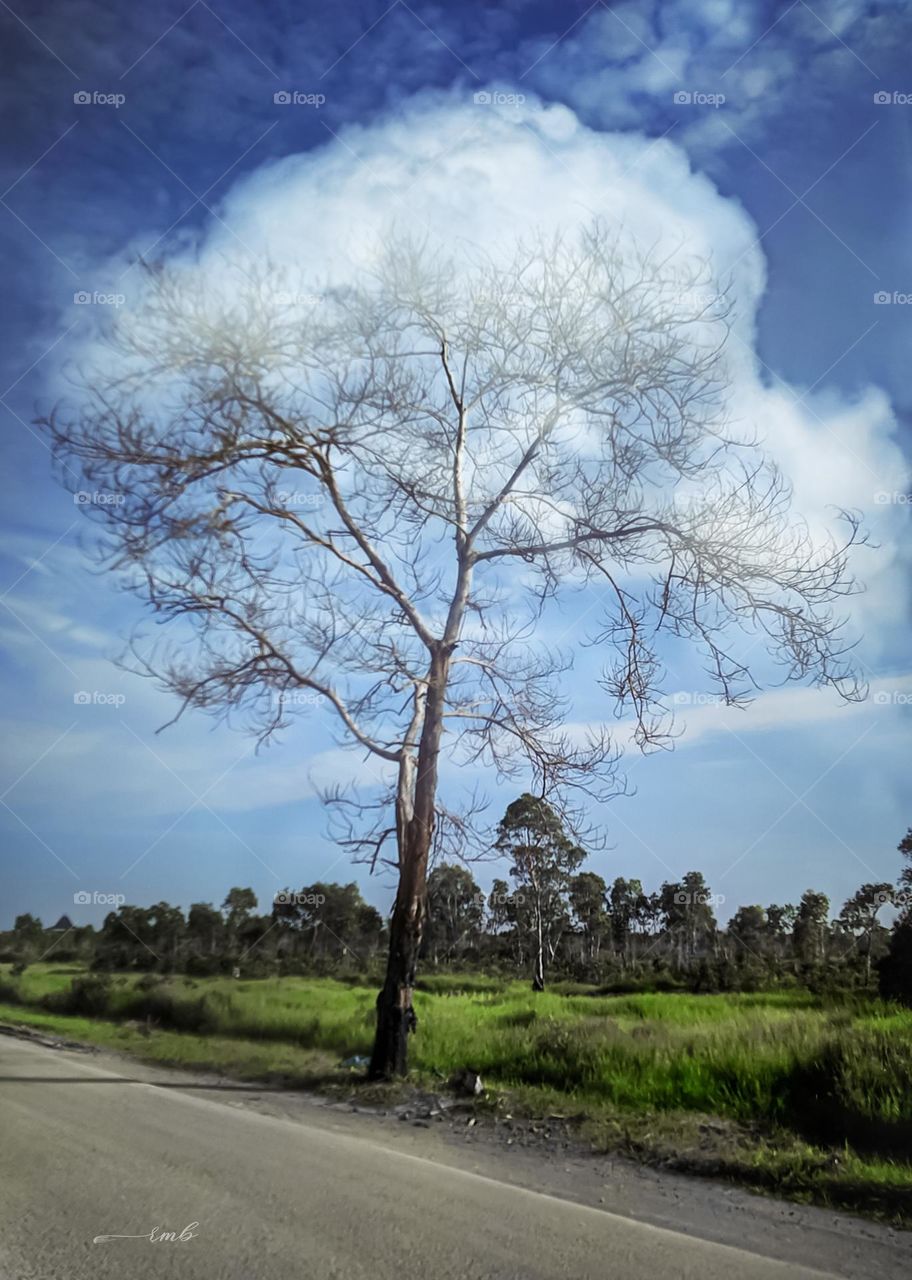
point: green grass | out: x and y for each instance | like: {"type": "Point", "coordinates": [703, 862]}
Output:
{"type": "Point", "coordinates": [783, 1090]}
{"type": "Point", "coordinates": [241, 1059]}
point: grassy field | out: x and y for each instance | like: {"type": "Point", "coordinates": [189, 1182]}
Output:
{"type": "Point", "coordinates": [780, 1090]}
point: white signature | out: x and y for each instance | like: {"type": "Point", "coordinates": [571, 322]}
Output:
{"type": "Point", "coordinates": [156, 1235]}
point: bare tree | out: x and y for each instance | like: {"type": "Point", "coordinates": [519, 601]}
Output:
{"type": "Point", "coordinates": [370, 501]}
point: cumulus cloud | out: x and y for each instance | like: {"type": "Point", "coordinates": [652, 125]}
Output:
{"type": "Point", "coordinates": [465, 174]}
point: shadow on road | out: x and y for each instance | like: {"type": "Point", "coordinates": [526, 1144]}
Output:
{"type": "Point", "coordinates": [155, 1084]}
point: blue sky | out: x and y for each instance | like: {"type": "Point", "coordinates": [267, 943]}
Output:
{"type": "Point", "coordinates": [783, 128]}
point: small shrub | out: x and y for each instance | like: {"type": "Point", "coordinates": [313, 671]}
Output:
{"type": "Point", "coordinates": [162, 1008]}
{"type": "Point", "coordinates": [10, 993]}
{"type": "Point", "coordinates": [569, 1054]}
{"type": "Point", "coordinates": [86, 997]}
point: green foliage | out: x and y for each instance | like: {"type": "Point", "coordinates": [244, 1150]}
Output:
{"type": "Point", "coordinates": [618, 939]}
{"type": "Point", "coordinates": [543, 859]}
{"type": "Point", "coordinates": [455, 914]}
{"type": "Point", "coordinates": [894, 971]}
{"type": "Point", "coordinates": [88, 997]}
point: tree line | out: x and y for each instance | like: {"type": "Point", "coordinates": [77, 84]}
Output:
{"type": "Point", "coordinates": [549, 920]}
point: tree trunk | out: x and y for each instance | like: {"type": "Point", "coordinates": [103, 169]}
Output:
{"type": "Point", "coordinates": [415, 810]}
{"type": "Point", "coordinates": [395, 1015]}
{"type": "Point", "coordinates": [538, 977]}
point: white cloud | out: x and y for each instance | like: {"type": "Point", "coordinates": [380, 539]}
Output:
{"type": "Point", "coordinates": [699, 715]}
{"type": "Point", "coordinates": [614, 62]}
{"type": "Point", "coordinates": [785, 709]}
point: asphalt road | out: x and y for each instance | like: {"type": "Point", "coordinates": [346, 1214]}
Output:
{"type": "Point", "coordinates": [85, 1152]}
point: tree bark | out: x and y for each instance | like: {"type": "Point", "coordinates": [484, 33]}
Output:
{"type": "Point", "coordinates": [395, 1016]}
{"type": "Point", "coordinates": [538, 977]}
{"type": "Point", "coordinates": [414, 829]}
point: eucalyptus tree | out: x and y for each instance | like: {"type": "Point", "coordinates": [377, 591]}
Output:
{"type": "Point", "coordinates": [364, 497]}
{"type": "Point", "coordinates": [859, 913]}
{"type": "Point", "coordinates": [588, 895]}
{"type": "Point", "coordinates": [809, 932]}
{"type": "Point", "coordinates": [625, 898]}
{"type": "Point", "coordinates": [689, 917]}
{"type": "Point", "coordinates": [543, 859]}
{"type": "Point", "coordinates": [455, 911]}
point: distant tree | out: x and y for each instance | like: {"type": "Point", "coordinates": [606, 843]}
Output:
{"type": "Point", "coordinates": [503, 921]}
{"type": "Point", "coordinates": [588, 896]}
{"type": "Point", "coordinates": [626, 901]}
{"type": "Point", "coordinates": [237, 909]}
{"type": "Point", "coordinates": [894, 969]}
{"type": "Point", "coordinates": [28, 926]}
{"type": "Point", "coordinates": [649, 913]}
{"type": "Point", "coordinates": [905, 848]}
{"type": "Point", "coordinates": [748, 931]}
{"type": "Point", "coordinates": [332, 921]}
{"type": "Point", "coordinates": [28, 938]}
{"type": "Point", "coordinates": [859, 916]}
{"type": "Point", "coordinates": [127, 940]}
{"type": "Point", "coordinates": [455, 912]}
{"type": "Point", "coordinates": [543, 859]}
{"type": "Point", "coordinates": [780, 921]}
{"type": "Point", "coordinates": [238, 904]}
{"type": "Point", "coordinates": [810, 929]}
{"type": "Point", "coordinates": [167, 930]}
{"type": "Point", "coordinates": [689, 918]}
{"type": "Point", "coordinates": [205, 930]}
